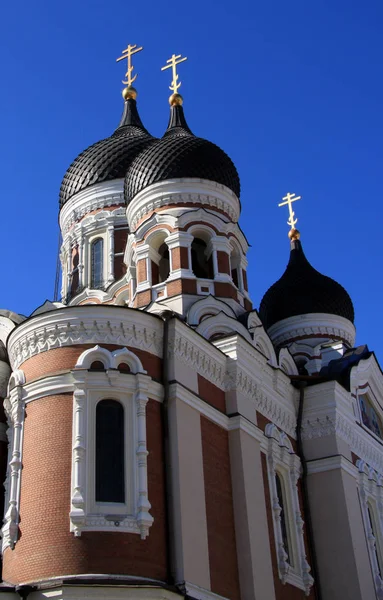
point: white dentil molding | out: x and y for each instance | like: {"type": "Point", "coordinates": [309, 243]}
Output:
{"type": "Point", "coordinates": [185, 190]}
{"type": "Point", "coordinates": [100, 195]}
{"type": "Point", "coordinates": [311, 325]}
{"type": "Point", "coordinates": [92, 324]}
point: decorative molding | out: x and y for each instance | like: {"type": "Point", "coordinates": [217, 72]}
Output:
{"type": "Point", "coordinates": [331, 463]}
{"type": "Point", "coordinates": [100, 195]}
{"type": "Point", "coordinates": [282, 460]}
{"type": "Point", "coordinates": [207, 306]}
{"type": "Point", "coordinates": [371, 502]}
{"type": "Point", "coordinates": [132, 391]}
{"type": "Point", "coordinates": [95, 324]}
{"type": "Point", "coordinates": [221, 324]}
{"type": "Point", "coordinates": [14, 407]}
{"type": "Point", "coordinates": [182, 191]}
{"type": "Point", "coordinates": [311, 326]}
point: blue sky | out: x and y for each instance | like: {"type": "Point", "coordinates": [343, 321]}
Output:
{"type": "Point", "coordinates": [292, 91]}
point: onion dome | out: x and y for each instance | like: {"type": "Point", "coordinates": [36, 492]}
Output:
{"type": "Point", "coordinates": [302, 290]}
{"type": "Point", "coordinates": [110, 158]}
{"type": "Point", "coordinates": [180, 154]}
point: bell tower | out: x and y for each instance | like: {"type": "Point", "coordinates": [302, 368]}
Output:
{"type": "Point", "coordinates": [182, 197]}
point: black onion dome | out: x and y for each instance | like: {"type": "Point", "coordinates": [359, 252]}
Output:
{"type": "Point", "coordinates": [180, 154]}
{"type": "Point", "coordinates": [302, 290]}
{"type": "Point", "coordinates": [110, 158]}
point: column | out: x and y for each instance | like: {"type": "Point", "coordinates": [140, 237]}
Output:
{"type": "Point", "coordinates": [110, 232]}
{"type": "Point", "coordinates": [179, 244]}
{"type": "Point", "coordinates": [254, 559]}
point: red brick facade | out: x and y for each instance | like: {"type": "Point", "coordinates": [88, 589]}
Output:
{"type": "Point", "coordinates": [46, 548]}
{"type": "Point", "coordinates": [219, 511]}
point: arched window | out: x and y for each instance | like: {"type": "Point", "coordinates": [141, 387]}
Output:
{"type": "Point", "coordinates": [97, 365]}
{"type": "Point", "coordinates": [164, 264]}
{"type": "Point", "coordinates": [97, 263]}
{"type": "Point", "coordinates": [283, 517]}
{"type": "Point", "coordinates": [202, 267]}
{"type": "Point", "coordinates": [110, 467]}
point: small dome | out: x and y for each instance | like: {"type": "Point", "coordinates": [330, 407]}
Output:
{"type": "Point", "coordinates": [108, 159]}
{"type": "Point", "coordinates": [302, 290]}
{"type": "Point", "coordinates": [180, 154]}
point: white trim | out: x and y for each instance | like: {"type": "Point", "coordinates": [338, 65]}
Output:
{"type": "Point", "coordinates": [175, 191]}
{"type": "Point", "coordinates": [85, 325]}
{"type": "Point", "coordinates": [332, 463]}
{"type": "Point", "coordinates": [371, 497]}
{"type": "Point", "coordinates": [282, 460]}
{"type": "Point", "coordinates": [310, 326]}
{"type": "Point", "coordinates": [100, 195]}
{"type": "Point", "coordinates": [209, 305]}
{"type": "Point", "coordinates": [132, 391]}
{"type": "Point", "coordinates": [14, 407]}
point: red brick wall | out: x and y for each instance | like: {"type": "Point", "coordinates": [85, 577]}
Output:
{"type": "Point", "coordinates": [46, 547]}
{"type": "Point", "coordinates": [211, 393]}
{"type": "Point", "coordinates": [225, 290]}
{"type": "Point", "coordinates": [180, 259]}
{"type": "Point", "coordinates": [223, 262]}
{"type": "Point", "coordinates": [141, 271]}
{"type": "Point", "coordinates": [282, 591]}
{"type": "Point", "coordinates": [62, 359]}
{"type": "Point", "coordinates": [181, 286]}
{"type": "Point", "coordinates": [219, 511]}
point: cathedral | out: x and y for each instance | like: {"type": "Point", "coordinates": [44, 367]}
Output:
{"type": "Point", "coordinates": [160, 437]}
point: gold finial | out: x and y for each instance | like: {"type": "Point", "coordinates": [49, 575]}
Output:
{"type": "Point", "coordinates": [129, 92]}
{"type": "Point", "coordinates": [175, 60]}
{"type": "Point", "coordinates": [289, 199]}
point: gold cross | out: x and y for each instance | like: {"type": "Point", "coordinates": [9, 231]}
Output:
{"type": "Point", "coordinates": [128, 53]}
{"type": "Point", "coordinates": [290, 198]}
{"type": "Point", "coordinates": [174, 61]}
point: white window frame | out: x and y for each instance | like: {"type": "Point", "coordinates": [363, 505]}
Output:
{"type": "Point", "coordinates": [368, 393]}
{"type": "Point", "coordinates": [131, 389]}
{"type": "Point", "coordinates": [14, 406]}
{"type": "Point", "coordinates": [371, 496]}
{"type": "Point", "coordinates": [282, 460]}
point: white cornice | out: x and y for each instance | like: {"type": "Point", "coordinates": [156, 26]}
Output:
{"type": "Point", "coordinates": [332, 463]}
{"type": "Point", "coordinates": [108, 193]}
{"type": "Point", "coordinates": [94, 324]}
{"type": "Point", "coordinates": [312, 325]}
{"type": "Point", "coordinates": [175, 191]}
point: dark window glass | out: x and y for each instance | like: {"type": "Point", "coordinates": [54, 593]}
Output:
{"type": "Point", "coordinates": [281, 502]}
{"type": "Point", "coordinates": [97, 365]}
{"type": "Point", "coordinates": [202, 267]}
{"type": "Point", "coordinates": [124, 368]}
{"type": "Point", "coordinates": [110, 479]}
{"type": "Point", "coordinates": [164, 264]}
{"type": "Point", "coordinates": [372, 525]}
{"type": "Point", "coordinates": [97, 250]}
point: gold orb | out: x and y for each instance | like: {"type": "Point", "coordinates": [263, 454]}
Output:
{"type": "Point", "coordinates": [176, 100]}
{"type": "Point", "coordinates": [294, 234]}
{"type": "Point", "coordinates": [129, 92]}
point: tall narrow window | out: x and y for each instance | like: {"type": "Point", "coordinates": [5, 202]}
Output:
{"type": "Point", "coordinates": [97, 266]}
{"type": "Point", "coordinates": [110, 468]}
{"type": "Point", "coordinates": [202, 267]}
{"type": "Point", "coordinates": [283, 517]}
{"type": "Point", "coordinates": [375, 548]}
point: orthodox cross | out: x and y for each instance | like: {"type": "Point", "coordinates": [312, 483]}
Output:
{"type": "Point", "coordinates": [289, 199]}
{"type": "Point", "coordinates": [128, 53]}
{"type": "Point", "coordinates": [173, 62]}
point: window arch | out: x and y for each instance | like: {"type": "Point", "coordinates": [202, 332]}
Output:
{"type": "Point", "coordinates": [283, 517]}
{"type": "Point", "coordinates": [164, 263]}
{"type": "Point", "coordinates": [97, 263]}
{"type": "Point", "coordinates": [110, 463]}
{"type": "Point", "coordinates": [201, 265]}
